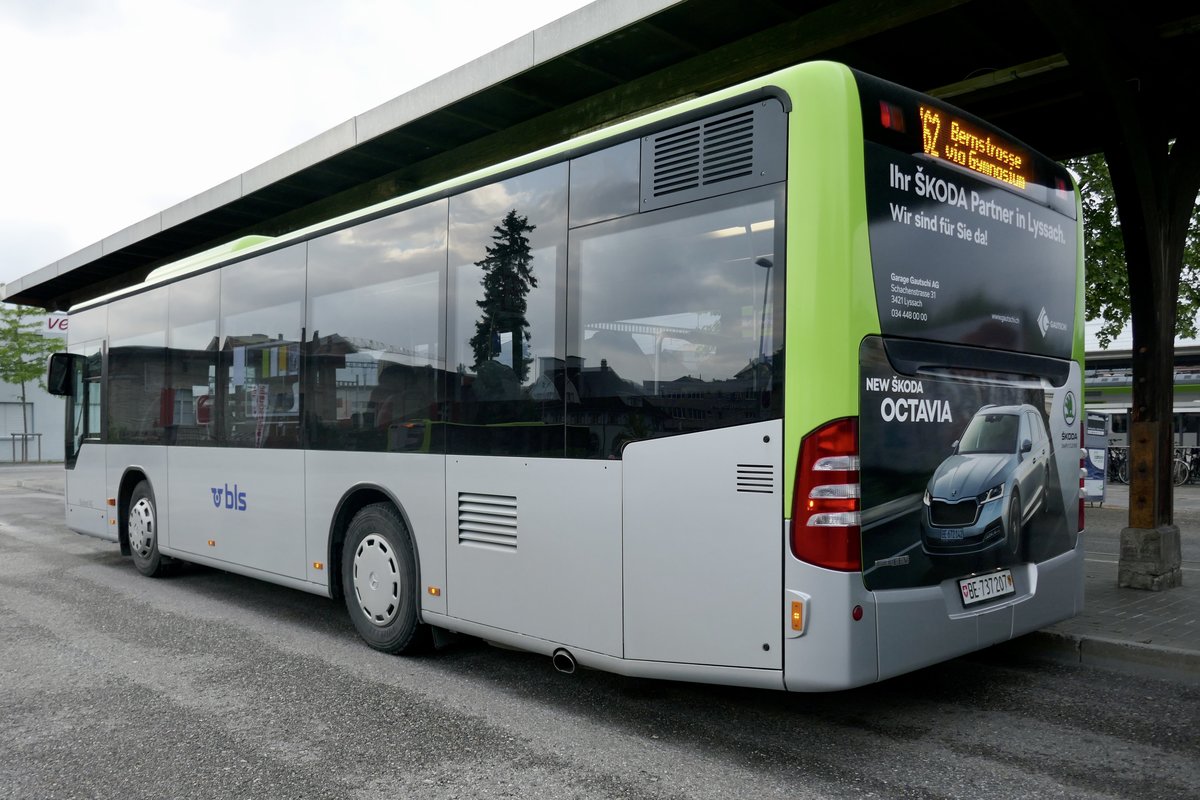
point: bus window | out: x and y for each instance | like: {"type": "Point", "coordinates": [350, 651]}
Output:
{"type": "Point", "coordinates": [137, 367]}
{"type": "Point", "coordinates": [675, 323]}
{"type": "Point", "coordinates": [261, 302]}
{"type": "Point", "coordinates": [192, 339]}
{"type": "Point", "coordinates": [374, 311]}
{"type": "Point", "coordinates": [507, 250]}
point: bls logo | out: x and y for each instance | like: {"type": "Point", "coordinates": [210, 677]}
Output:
{"type": "Point", "coordinates": [234, 500]}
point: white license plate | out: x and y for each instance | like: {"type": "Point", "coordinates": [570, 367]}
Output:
{"type": "Point", "coordinates": [986, 587]}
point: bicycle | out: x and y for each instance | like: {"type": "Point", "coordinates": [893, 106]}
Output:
{"type": "Point", "coordinates": [1180, 471]}
{"type": "Point", "coordinates": [1118, 465]}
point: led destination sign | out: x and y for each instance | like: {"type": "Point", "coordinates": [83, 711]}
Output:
{"type": "Point", "coordinates": [947, 137]}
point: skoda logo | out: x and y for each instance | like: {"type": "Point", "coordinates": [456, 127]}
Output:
{"type": "Point", "coordinates": [1069, 408]}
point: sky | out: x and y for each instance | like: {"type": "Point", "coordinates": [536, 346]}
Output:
{"type": "Point", "coordinates": [115, 110]}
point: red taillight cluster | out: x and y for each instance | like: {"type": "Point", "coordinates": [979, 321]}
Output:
{"type": "Point", "coordinates": [825, 508]}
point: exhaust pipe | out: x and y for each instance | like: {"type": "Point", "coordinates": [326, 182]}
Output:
{"type": "Point", "coordinates": [563, 661]}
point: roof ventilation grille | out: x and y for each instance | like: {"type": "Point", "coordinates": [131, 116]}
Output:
{"type": "Point", "coordinates": [728, 152]}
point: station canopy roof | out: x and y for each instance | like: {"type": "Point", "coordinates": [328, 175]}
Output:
{"type": "Point", "coordinates": [616, 58]}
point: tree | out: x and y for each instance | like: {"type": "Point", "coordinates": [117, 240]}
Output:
{"type": "Point", "coordinates": [507, 279]}
{"type": "Point", "coordinates": [1107, 290]}
{"type": "Point", "coordinates": [23, 351]}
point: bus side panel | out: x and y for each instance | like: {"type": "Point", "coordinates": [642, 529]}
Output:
{"type": "Point", "coordinates": [534, 545]}
{"type": "Point", "coordinates": [417, 481]}
{"type": "Point", "coordinates": [151, 460]}
{"type": "Point", "coordinates": [85, 497]}
{"type": "Point", "coordinates": [701, 547]}
{"type": "Point", "coordinates": [239, 506]}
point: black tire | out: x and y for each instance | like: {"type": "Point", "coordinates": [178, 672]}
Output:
{"type": "Point", "coordinates": [379, 581]}
{"type": "Point", "coordinates": [141, 528]}
{"type": "Point", "coordinates": [1012, 523]}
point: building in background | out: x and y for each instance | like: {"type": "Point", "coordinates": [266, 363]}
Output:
{"type": "Point", "coordinates": [42, 411]}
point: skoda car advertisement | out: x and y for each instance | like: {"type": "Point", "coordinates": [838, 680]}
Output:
{"type": "Point", "coordinates": [988, 477]}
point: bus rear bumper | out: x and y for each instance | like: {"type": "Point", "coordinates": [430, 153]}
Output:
{"type": "Point", "coordinates": [901, 630]}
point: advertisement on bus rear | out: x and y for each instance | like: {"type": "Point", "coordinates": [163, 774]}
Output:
{"type": "Point", "coordinates": [963, 472]}
{"type": "Point", "coordinates": [961, 259]}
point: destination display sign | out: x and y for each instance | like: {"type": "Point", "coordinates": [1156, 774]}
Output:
{"type": "Point", "coordinates": [960, 142]}
{"type": "Point", "coordinates": [972, 239]}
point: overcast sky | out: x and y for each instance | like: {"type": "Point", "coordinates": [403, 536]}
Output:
{"type": "Point", "coordinates": [117, 109]}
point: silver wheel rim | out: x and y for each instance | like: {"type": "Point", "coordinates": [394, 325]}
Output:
{"type": "Point", "coordinates": [141, 528]}
{"type": "Point", "coordinates": [377, 580]}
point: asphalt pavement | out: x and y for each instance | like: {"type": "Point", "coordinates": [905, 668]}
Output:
{"type": "Point", "coordinates": [1131, 629]}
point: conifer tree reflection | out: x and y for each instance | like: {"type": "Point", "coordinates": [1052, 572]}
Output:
{"type": "Point", "coordinates": [507, 278]}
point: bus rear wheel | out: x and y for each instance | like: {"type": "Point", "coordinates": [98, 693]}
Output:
{"type": "Point", "coordinates": [379, 578]}
{"type": "Point", "coordinates": [141, 526]}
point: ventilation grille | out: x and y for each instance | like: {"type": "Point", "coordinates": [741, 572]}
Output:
{"type": "Point", "coordinates": [487, 520]}
{"type": "Point", "coordinates": [756, 478]}
{"type": "Point", "coordinates": [729, 152]}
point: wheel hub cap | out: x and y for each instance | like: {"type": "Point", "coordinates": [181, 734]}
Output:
{"type": "Point", "coordinates": [377, 580]}
{"type": "Point", "coordinates": [141, 528]}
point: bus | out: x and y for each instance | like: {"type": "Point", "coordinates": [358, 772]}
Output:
{"type": "Point", "coordinates": [778, 387]}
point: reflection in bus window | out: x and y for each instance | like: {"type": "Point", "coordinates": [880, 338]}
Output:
{"type": "Point", "coordinates": [192, 338]}
{"type": "Point", "coordinates": [137, 366]}
{"type": "Point", "coordinates": [374, 316]}
{"type": "Point", "coordinates": [675, 322]}
{"type": "Point", "coordinates": [507, 248]}
{"type": "Point", "coordinates": [260, 350]}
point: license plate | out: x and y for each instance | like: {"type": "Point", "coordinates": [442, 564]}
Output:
{"type": "Point", "coordinates": [951, 533]}
{"type": "Point", "coordinates": [986, 587]}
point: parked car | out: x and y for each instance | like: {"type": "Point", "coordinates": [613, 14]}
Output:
{"type": "Point", "coordinates": [996, 479]}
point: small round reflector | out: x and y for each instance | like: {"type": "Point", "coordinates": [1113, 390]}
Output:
{"type": "Point", "coordinates": [856, 613]}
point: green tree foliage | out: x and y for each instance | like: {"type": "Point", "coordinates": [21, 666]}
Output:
{"type": "Point", "coordinates": [1107, 289]}
{"type": "Point", "coordinates": [23, 349]}
{"type": "Point", "coordinates": [507, 279]}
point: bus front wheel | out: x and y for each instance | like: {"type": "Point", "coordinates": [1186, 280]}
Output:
{"type": "Point", "coordinates": [379, 578]}
{"type": "Point", "coordinates": [141, 526]}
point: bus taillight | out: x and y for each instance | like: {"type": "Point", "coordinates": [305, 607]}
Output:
{"type": "Point", "coordinates": [825, 508]}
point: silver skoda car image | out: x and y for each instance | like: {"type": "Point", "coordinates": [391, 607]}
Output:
{"type": "Point", "coordinates": [996, 479]}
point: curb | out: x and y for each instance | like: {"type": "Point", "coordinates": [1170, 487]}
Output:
{"type": "Point", "coordinates": [1172, 663]}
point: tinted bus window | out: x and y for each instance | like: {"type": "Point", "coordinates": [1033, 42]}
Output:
{"type": "Point", "coordinates": [192, 338]}
{"type": "Point", "coordinates": [676, 321]}
{"type": "Point", "coordinates": [374, 312]}
{"type": "Point", "coordinates": [261, 304]}
{"type": "Point", "coordinates": [606, 184]}
{"type": "Point", "coordinates": [507, 252]}
{"type": "Point", "coordinates": [137, 366]}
